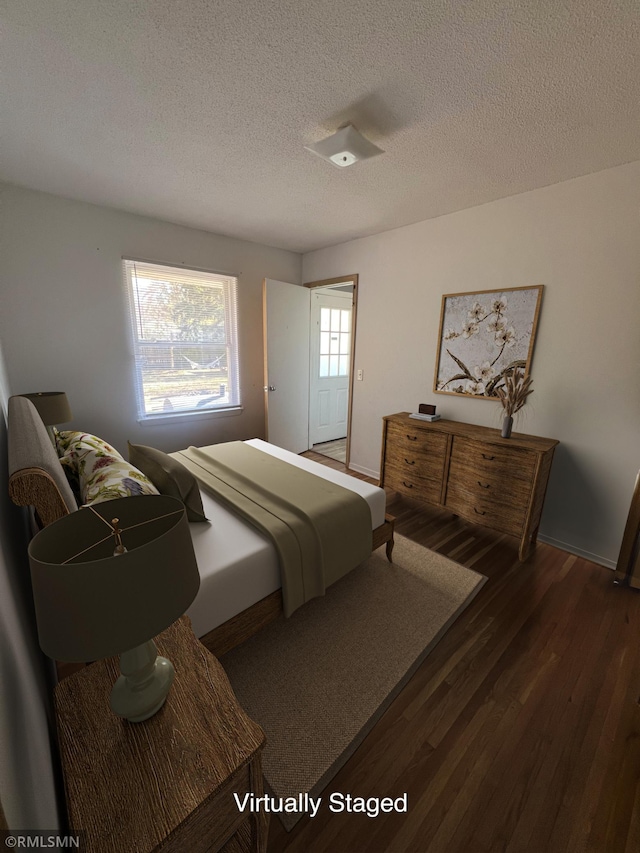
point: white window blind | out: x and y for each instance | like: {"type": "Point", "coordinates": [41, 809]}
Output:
{"type": "Point", "coordinates": [185, 335]}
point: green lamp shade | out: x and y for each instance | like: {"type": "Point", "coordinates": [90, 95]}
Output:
{"type": "Point", "coordinates": [53, 406]}
{"type": "Point", "coordinates": [92, 604]}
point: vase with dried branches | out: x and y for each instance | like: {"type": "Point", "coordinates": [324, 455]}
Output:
{"type": "Point", "coordinates": [513, 395]}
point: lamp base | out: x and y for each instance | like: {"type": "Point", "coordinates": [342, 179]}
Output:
{"type": "Point", "coordinates": [52, 437]}
{"type": "Point", "coordinates": [142, 688]}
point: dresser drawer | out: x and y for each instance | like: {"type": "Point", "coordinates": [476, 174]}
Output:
{"type": "Point", "coordinates": [415, 461]}
{"type": "Point", "coordinates": [407, 481]}
{"type": "Point", "coordinates": [491, 508]}
{"type": "Point", "coordinates": [490, 484]}
{"type": "Point", "coordinates": [417, 452]}
{"type": "Point", "coordinates": [501, 493]}
{"type": "Point", "coordinates": [491, 462]}
{"type": "Point", "coordinates": [420, 442]}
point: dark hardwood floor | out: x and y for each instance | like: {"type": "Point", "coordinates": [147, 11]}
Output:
{"type": "Point", "coordinates": [521, 730]}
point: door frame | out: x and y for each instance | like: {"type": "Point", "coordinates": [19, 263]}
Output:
{"type": "Point", "coordinates": [327, 282]}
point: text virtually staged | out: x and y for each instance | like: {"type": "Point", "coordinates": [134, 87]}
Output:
{"type": "Point", "coordinates": [337, 802]}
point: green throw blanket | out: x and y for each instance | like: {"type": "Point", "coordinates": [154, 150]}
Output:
{"type": "Point", "coordinates": [320, 530]}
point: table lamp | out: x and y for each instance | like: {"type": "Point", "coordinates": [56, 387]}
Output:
{"type": "Point", "coordinates": [53, 407]}
{"type": "Point", "coordinates": [106, 580]}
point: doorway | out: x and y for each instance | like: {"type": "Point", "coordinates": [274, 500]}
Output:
{"type": "Point", "coordinates": [331, 359]}
{"type": "Point", "coordinates": [288, 358]}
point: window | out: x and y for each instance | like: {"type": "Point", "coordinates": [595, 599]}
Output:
{"type": "Point", "coordinates": [335, 331]}
{"type": "Point", "coordinates": [185, 339]}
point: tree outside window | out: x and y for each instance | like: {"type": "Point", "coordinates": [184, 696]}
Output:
{"type": "Point", "coordinates": [185, 339]}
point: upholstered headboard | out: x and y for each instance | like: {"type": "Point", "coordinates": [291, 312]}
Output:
{"type": "Point", "coordinates": [36, 477]}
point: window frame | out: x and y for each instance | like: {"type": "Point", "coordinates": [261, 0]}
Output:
{"type": "Point", "coordinates": [230, 282]}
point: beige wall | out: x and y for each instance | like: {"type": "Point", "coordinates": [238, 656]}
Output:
{"type": "Point", "coordinates": [27, 789]}
{"type": "Point", "coordinates": [63, 325]}
{"type": "Point", "coordinates": [64, 321]}
{"type": "Point", "coordinates": [581, 239]}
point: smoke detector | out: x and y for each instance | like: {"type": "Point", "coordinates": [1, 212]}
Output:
{"type": "Point", "coordinates": [345, 147]}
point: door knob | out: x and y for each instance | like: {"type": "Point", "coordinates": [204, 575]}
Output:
{"type": "Point", "coordinates": [272, 388]}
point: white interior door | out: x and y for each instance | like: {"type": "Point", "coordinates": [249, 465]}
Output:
{"type": "Point", "coordinates": [330, 364]}
{"type": "Point", "coordinates": [286, 340]}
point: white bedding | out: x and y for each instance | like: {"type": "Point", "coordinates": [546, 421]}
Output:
{"type": "Point", "coordinates": [238, 565]}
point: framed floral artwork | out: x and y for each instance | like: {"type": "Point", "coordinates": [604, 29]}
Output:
{"type": "Point", "coordinates": [485, 335]}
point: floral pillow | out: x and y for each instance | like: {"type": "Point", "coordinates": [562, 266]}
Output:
{"type": "Point", "coordinates": [73, 443]}
{"type": "Point", "coordinates": [99, 471]}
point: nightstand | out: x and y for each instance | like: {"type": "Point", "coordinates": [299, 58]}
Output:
{"type": "Point", "coordinates": [165, 784]}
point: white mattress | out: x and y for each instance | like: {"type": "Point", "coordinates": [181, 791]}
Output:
{"type": "Point", "coordinates": [238, 565]}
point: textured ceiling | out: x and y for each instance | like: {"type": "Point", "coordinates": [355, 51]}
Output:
{"type": "Point", "coordinates": [197, 111]}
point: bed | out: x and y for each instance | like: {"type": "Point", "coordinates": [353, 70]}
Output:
{"type": "Point", "coordinates": [240, 589]}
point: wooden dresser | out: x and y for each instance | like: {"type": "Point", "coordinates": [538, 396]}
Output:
{"type": "Point", "coordinates": [471, 471]}
{"type": "Point", "coordinates": [164, 785]}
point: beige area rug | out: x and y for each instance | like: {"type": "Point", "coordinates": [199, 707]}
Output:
{"type": "Point", "coordinates": [319, 681]}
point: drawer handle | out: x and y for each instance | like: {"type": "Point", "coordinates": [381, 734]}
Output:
{"type": "Point", "coordinates": [408, 485]}
{"type": "Point", "coordinates": [484, 456]}
{"type": "Point", "coordinates": [478, 511]}
{"type": "Point", "coordinates": [409, 461]}
{"type": "Point", "coordinates": [412, 437]}
{"type": "Point", "coordinates": [484, 485]}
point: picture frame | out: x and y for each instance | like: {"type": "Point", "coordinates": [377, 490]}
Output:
{"type": "Point", "coordinates": [484, 335]}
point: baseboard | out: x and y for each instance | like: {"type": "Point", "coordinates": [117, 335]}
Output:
{"type": "Point", "coordinates": [362, 470]}
{"type": "Point", "coordinates": [579, 552]}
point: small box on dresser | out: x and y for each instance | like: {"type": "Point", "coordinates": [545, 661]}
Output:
{"type": "Point", "coordinates": [471, 471]}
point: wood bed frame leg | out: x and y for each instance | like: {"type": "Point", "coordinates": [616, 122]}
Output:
{"type": "Point", "coordinates": [383, 535]}
{"type": "Point", "coordinates": [389, 549]}
{"type": "Point", "coordinates": [391, 521]}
